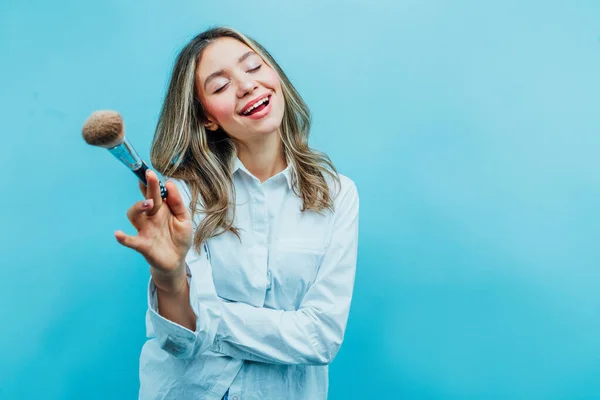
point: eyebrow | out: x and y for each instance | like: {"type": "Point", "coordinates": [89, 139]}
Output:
{"type": "Point", "coordinates": [221, 72]}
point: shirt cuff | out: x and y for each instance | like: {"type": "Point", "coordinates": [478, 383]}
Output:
{"type": "Point", "coordinates": [174, 338]}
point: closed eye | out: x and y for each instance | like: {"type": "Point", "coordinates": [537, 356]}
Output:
{"type": "Point", "coordinates": [219, 90]}
{"type": "Point", "coordinates": [222, 88]}
{"type": "Point", "coordinates": [255, 69]}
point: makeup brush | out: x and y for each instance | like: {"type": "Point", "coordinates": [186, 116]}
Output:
{"type": "Point", "coordinates": [106, 129]}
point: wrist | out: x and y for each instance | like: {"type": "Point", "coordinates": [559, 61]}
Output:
{"type": "Point", "coordinates": [172, 282]}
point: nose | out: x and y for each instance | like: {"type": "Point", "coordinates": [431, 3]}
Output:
{"type": "Point", "coordinates": [246, 85]}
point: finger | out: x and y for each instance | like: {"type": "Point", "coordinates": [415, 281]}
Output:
{"type": "Point", "coordinates": [142, 188]}
{"type": "Point", "coordinates": [153, 192]}
{"type": "Point", "coordinates": [133, 242]}
{"type": "Point", "coordinates": [136, 211]}
{"type": "Point", "coordinates": [175, 202]}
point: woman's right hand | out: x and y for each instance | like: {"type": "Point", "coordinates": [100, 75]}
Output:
{"type": "Point", "coordinates": [164, 233]}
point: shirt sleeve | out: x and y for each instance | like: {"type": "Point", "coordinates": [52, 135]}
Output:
{"type": "Point", "coordinates": [175, 339]}
{"type": "Point", "coordinates": [314, 333]}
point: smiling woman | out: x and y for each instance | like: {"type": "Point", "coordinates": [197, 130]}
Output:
{"type": "Point", "coordinates": [226, 104]}
{"type": "Point", "coordinates": [253, 253]}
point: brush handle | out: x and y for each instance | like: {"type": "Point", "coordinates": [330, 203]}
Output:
{"type": "Point", "coordinates": [141, 173]}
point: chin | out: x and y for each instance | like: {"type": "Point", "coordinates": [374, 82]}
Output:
{"type": "Point", "coordinates": [272, 123]}
{"type": "Point", "coordinates": [268, 130]}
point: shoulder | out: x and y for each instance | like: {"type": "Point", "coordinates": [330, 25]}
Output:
{"type": "Point", "coordinates": [344, 193]}
{"type": "Point", "coordinates": [347, 185]}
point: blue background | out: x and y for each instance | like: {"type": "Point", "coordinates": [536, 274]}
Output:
{"type": "Point", "coordinates": [471, 129]}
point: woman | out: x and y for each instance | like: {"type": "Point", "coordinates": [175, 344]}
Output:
{"type": "Point", "coordinates": [253, 252]}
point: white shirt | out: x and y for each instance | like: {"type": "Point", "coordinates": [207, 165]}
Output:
{"type": "Point", "coordinates": [271, 310]}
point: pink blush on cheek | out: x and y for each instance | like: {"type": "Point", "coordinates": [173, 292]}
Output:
{"type": "Point", "coordinates": [274, 79]}
{"type": "Point", "coordinates": [220, 110]}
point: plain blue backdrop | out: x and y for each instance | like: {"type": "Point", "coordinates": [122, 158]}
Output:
{"type": "Point", "coordinates": [471, 128]}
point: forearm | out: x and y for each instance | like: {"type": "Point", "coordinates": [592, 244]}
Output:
{"type": "Point", "coordinates": [307, 336]}
{"type": "Point", "coordinates": [184, 321]}
{"type": "Point", "coordinates": [173, 295]}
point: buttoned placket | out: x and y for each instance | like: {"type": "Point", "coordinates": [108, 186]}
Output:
{"type": "Point", "coordinates": [260, 229]}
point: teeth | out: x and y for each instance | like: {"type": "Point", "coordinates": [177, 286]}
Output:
{"type": "Point", "coordinates": [248, 111]}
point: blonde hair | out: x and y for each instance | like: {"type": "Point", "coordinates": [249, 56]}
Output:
{"type": "Point", "coordinates": [184, 149]}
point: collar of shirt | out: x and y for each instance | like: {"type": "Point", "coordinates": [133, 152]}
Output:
{"type": "Point", "coordinates": [287, 173]}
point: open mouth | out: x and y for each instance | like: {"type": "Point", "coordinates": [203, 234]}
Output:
{"type": "Point", "coordinates": [257, 107]}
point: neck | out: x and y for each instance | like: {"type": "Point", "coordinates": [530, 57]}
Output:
{"type": "Point", "coordinates": [263, 157]}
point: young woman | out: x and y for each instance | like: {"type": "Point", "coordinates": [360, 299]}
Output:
{"type": "Point", "coordinates": [253, 252]}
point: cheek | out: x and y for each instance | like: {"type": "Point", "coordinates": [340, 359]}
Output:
{"type": "Point", "coordinates": [220, 109]}
{"type": "Point", "coordinates": [273, 79]}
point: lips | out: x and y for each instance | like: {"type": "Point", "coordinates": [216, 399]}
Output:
{"type": "Point", "coordinates": [260, 112]}
{"type": "Point", "coordinates": [252, 104]}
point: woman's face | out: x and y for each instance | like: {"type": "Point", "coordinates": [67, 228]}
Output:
{"type": "Point", "coordinates": [239, 91]}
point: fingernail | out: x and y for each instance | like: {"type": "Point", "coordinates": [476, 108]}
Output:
{"type": "Point", "coordinates": [145, 204]}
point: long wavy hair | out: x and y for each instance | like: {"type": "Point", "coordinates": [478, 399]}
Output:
{"type": "Point", "coordinates": [184, 149]}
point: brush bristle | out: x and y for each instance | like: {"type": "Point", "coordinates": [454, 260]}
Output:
{"type": "Point", "coordinates": [104, 129]}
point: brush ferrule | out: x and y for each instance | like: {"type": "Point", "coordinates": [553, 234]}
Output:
{"type": "Point", "coordinates": [125, 153]}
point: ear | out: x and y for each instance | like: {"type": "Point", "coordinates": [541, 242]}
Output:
{"type": "Point", "coordinates": [211, 125]}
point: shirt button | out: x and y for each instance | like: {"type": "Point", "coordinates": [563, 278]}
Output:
{"type": "Point", "coordinates": [269, 279]}
{"type": "Point", "coordinates": [235, 398]}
